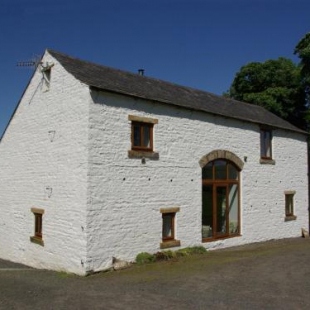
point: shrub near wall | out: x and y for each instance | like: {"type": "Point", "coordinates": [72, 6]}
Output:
{"type": "Point", "coordinates": [145, 258]}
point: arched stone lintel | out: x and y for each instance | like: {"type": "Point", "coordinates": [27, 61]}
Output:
{"type": "Point", "coordinates": [221, 154]}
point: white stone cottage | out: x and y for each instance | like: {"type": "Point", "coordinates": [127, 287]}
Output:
{"type": "Point", "coordinates": [98, 163]}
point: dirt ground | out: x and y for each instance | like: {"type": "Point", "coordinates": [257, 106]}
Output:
{"type": "Point", "coordinates": [269, 275]}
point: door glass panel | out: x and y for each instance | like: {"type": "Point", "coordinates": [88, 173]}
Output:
{"type": "Point", "coordinates": [207, 211]}
{"type": "Point", "coordinates": [207, 172]}
{"type": "Point", "coordinates": [220, 199]}
{"type": "Point", "coordinates": [233, 209]}
{"type": "Point", "coordinates": [220, 170]}
{"type": "Point", "coordinates": [221, 208]}
{"type": "Point", "coordinates": [232, 172]}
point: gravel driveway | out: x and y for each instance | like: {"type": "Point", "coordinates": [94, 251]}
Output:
{"type": "Point", "coordinates": [269, 275]}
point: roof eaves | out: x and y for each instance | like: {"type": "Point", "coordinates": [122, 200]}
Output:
{"type": "Point", "coordinates": [212, 107]}
{"type": "Point", "coordinates": [294, 129]}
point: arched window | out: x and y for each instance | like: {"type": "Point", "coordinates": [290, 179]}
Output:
{"type": "Point", "coordinates": [220, 200]}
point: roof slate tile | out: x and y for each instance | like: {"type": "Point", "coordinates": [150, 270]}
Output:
{"type": "Point", "coordinates": [133, 84]}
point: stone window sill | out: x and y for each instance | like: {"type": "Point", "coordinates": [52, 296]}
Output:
{"type": "Point", "coordinates": [142, 154]}
{"type": "Point", "coordinates": [170, 244]}
{"type": "Point", "coordinates": [170, 210]}
{"type": "Point", "coordinates": [37, 240]}
{"type": "Point", "coordinates": [290, 218]}
{"type": "Point", "coordinates": [264, 161]}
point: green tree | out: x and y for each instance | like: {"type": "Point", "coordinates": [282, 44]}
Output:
{"type": "Point", "coordinates": [302, 49]}
{"type": "Point", "coordinates": [273, 84]}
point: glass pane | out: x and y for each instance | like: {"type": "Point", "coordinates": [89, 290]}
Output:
{"type": "Point", "coordinates": [207, 171]}
{"type": "Point", "coordinates": [289, 204]}
{"type": "Point", "coordinates": [167, 226]}
{"type": "Point", "coordinates": [232, 172]}
{"type": "Point", "coordinates": [207, 211]}
{"type": "Point", "coordinates": [136, 135]}
{"type": "Point", "coordinates": [38, 225]}
{"type": "Point", "coordinates": [220, 170]}
{"type": "Point", "coordinates": [146, 136]}
{"type": "Point", "coordinates": [266, 143]}
{"type": "Point", "coordinates": [233, 209]}
{"type": "Point", "coordinates": [262, 144]}
{"type": "Point", "coordinates": [268, 150]}
{"type": "Point", "coordinates": [220, 210]}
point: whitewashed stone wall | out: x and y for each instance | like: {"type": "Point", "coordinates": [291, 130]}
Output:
{"type": "Point", "coordinates": [125, 196]}
{"type": "Point", "coordinates": [43, 164]}
{"type": "Point", "coordinates": [66, 151]}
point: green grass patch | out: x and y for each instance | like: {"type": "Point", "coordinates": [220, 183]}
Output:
{"type": "Point", "coordinates": [145, 258]}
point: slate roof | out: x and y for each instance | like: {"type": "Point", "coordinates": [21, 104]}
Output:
{"type": "Point", "coordinates": [133, 84]}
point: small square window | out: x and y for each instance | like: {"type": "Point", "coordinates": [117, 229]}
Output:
{"type": "Point", "coordinates": [168, 228]}
{"type": "Point", "coordinates": [38, 225]}
{"type": "Point", "coordinates": [266, 144]}
{"type": "Point", "coordinates": [142, 137]}
{"type": "Point", "coordinates": [38, 220]}
{"type": "Point", "coordinates": [289, 205]}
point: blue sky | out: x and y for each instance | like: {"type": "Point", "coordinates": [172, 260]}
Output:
{"type": "Point", "coordinates": [197, 43]}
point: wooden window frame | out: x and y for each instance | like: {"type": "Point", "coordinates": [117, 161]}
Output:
{"type": "Point", "coordinates": [227, 182]}
{"type": "Point", "coordinates": [38, 224]}
{"type": "Point", "coordinates": [141, 151]}
{"type": "Point", "coordinates": [142, 127]}
{"type": "Point", "coordinates": [289, 206]}
{"type": "Point", "coordinates": [266, 144]}
{"type": "Point", "coordinates": [170, 241]}
{"type": "Point", "coordinates": [171, 217]}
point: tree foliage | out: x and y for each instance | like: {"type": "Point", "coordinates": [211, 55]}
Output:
{"type": "Point", "coordinates": [302, 49]}
{"type": "Point", "coordinates": [279, 85]}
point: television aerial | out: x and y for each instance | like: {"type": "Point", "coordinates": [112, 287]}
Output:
{"type": "Point", "coordinates": [33, 63]}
